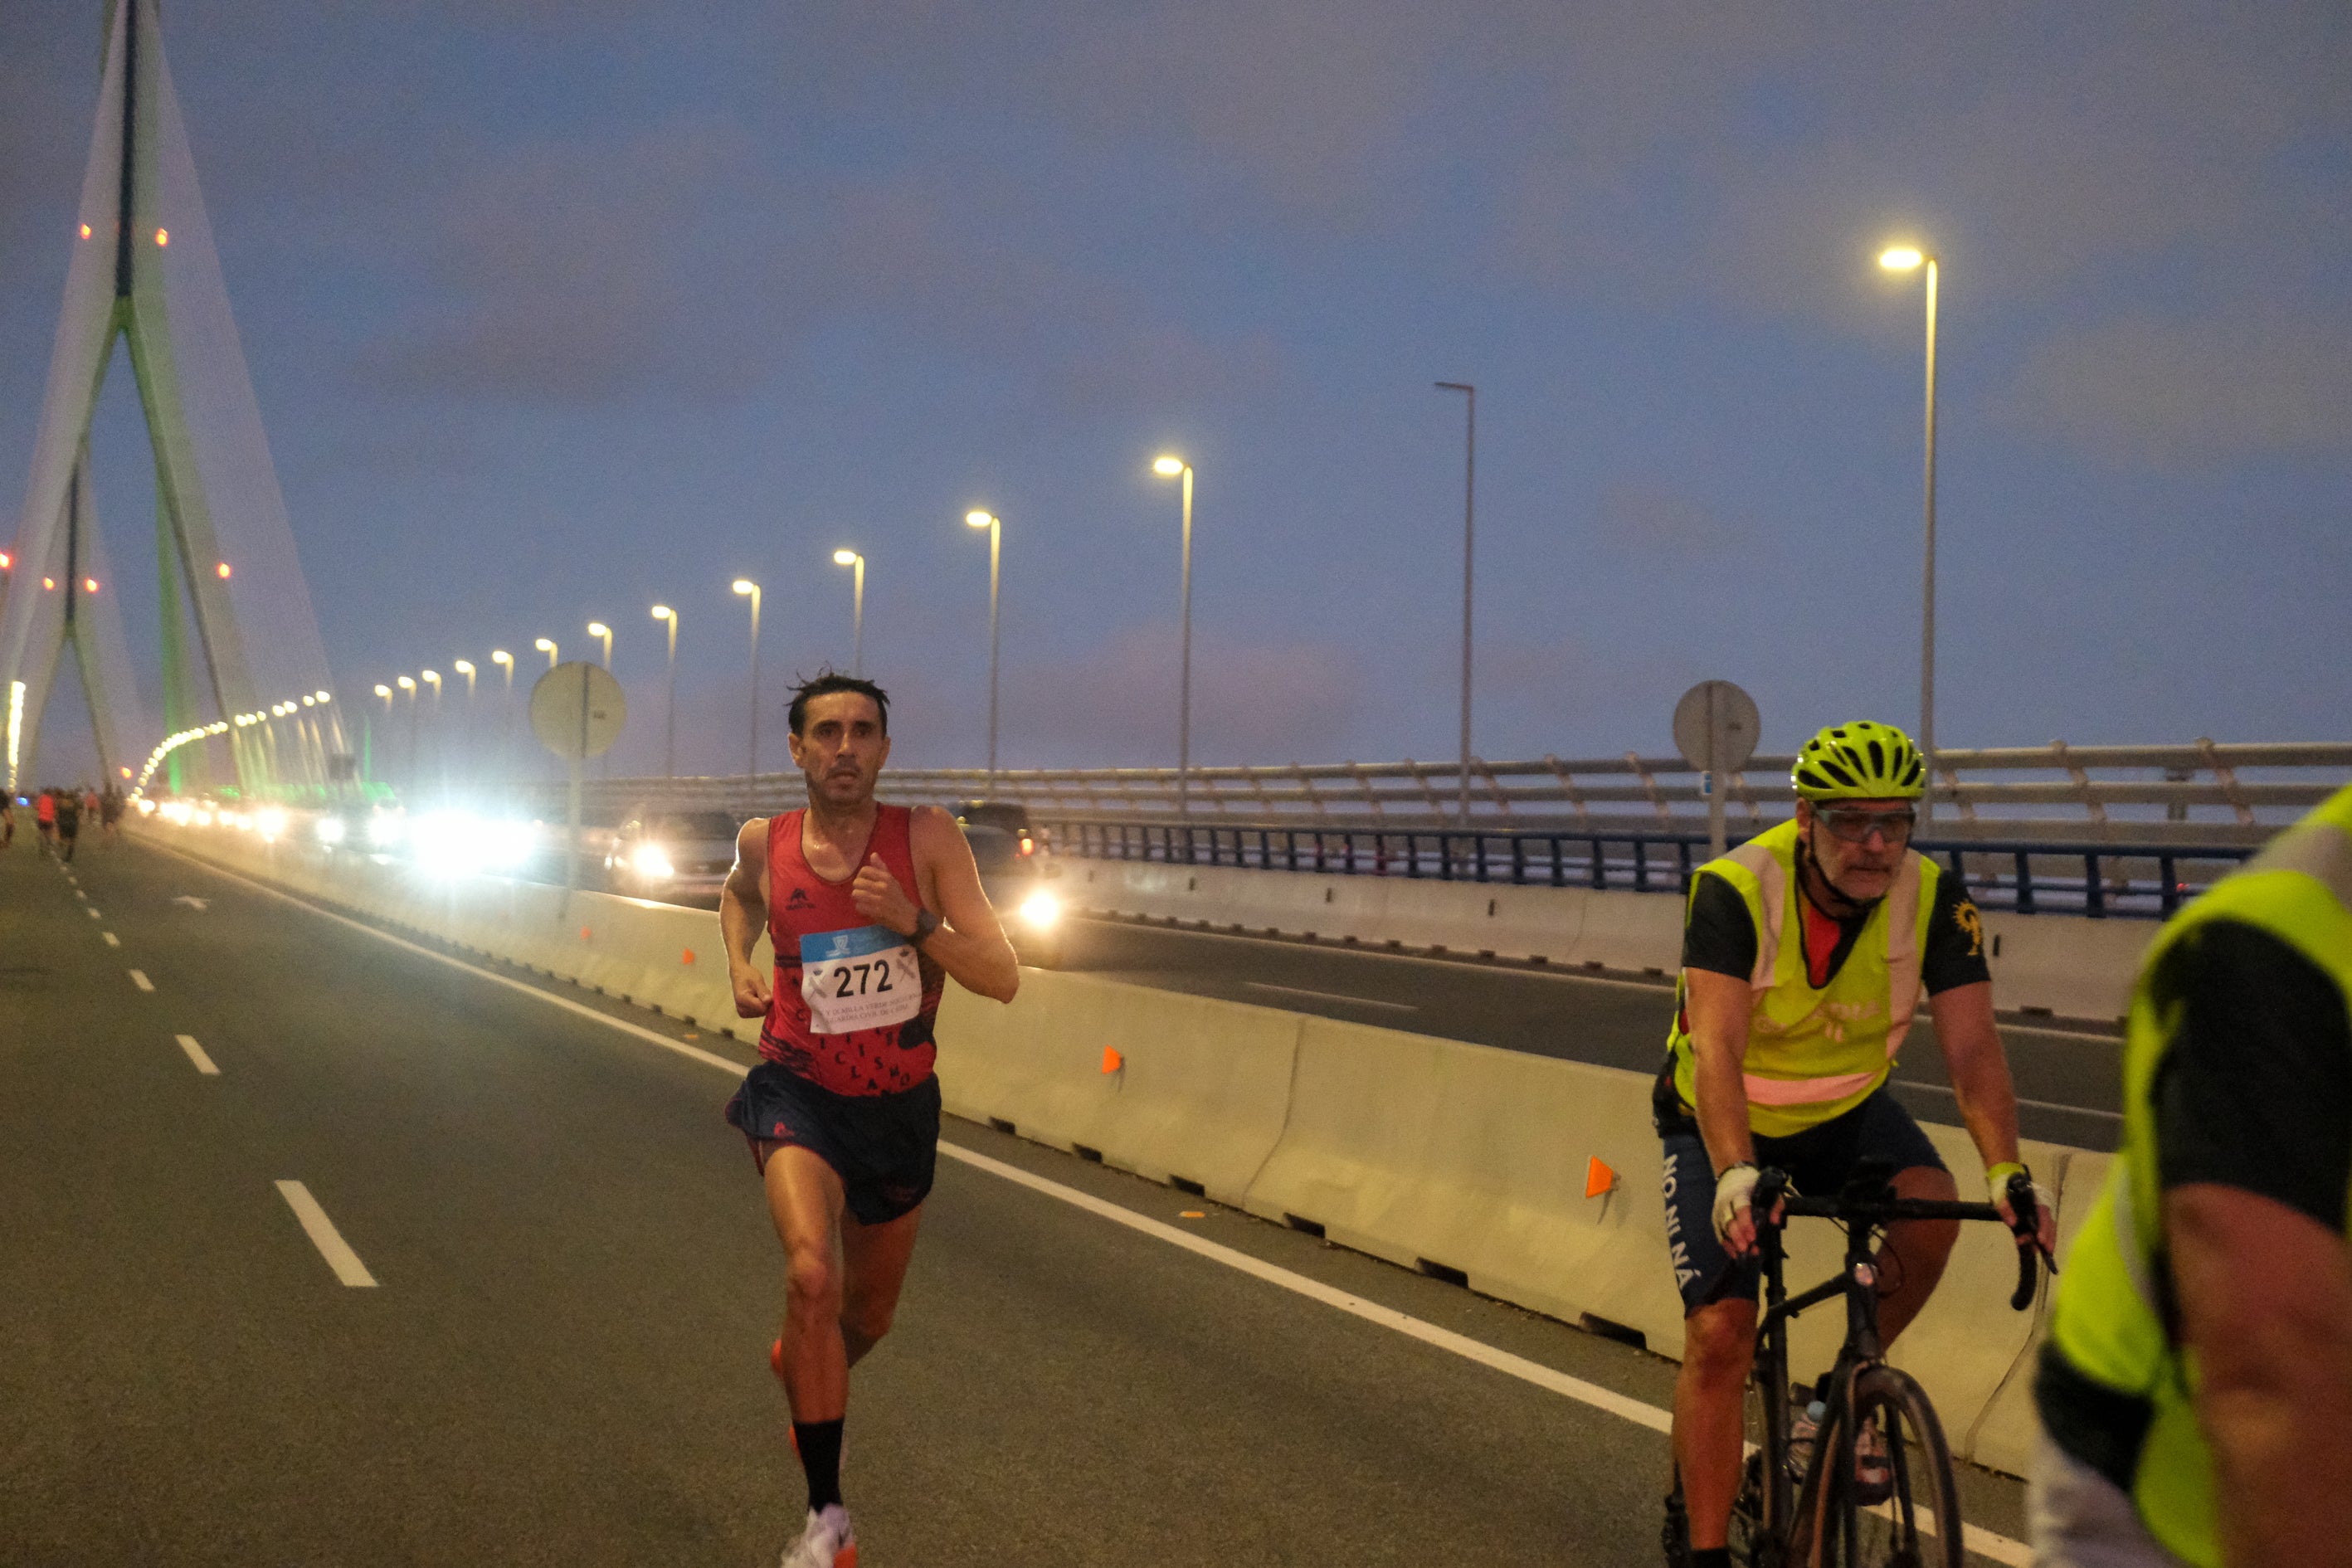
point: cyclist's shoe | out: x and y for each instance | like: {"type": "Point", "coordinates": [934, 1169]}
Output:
{"type": "Point", "coordinates": [826, 1541]}
{"type": "Point", "coordinates": [1873, 1467]}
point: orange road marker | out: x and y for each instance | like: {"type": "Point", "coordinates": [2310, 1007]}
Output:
{"type": "Point", "coordinates": [689, 956]}
{"type": "Point", "coordinates": [1598, 1178]}
{"type": "Point", "coordinates": [1112, 1060]}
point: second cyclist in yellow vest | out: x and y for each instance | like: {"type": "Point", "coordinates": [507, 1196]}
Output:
{"type": "Point", "coordinates": [1805, 952]}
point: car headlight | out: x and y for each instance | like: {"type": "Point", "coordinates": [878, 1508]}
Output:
{"type": "Point", "coordinates": [1041, 910]}
{"type": "Point", "coordinates": [271, 824]}
{"type": "Point", "coordinates": [384, 830]}
{"type": "Point", "coordinates": [650, 863]}
{"type": "Point", "coordinates": [332, 829]}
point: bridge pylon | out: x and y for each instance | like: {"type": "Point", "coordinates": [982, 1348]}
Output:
{"type": "Point", "coordinates": [251, 685]}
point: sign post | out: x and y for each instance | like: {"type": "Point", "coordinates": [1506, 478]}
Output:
{"type": "Point", "coordinates": [577, 711]}
{"type": "Point", "coordinates": [1716, 727]}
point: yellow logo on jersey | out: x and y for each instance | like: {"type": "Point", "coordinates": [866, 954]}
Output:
{"type": "Point", "coordinates": [1964, 913]}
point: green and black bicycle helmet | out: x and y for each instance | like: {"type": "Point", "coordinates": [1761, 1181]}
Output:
{"type": "Point", "coordinates": [1860, 760]}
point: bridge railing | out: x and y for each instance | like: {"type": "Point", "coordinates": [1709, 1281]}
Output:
{"type": "Point", "coordinates": [2028, 876]}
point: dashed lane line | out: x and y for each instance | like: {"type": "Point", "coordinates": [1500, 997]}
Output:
{"type": "Point", "coordinates": [196, 1055]}
{"type": "Point", "coordinates": [139, 977]}
{"type": "Point", "coordinates": [1332, 996]}
{"type": "Point", "coordinates": [114, 941]}
{"type": "Point", "coordinates": [91, 913]}
{"type": "Point", "coordinates": [326, 1238]}
{"type": "Point", "coordinates": [1984, 1543]}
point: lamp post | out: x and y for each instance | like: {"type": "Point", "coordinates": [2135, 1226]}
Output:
{"type": "Point", "coordinates": [856, 564]}
{"type": "Point", "coordinates": [599, 629]}
{"type": "Point", "coordinates": [669, 708]}
{"type": "Point", "coordinates": [746, 586]}
{"type": "Point", "coordinates": [1172, 468]}
{"type": "Point", "coordinates": [440, 731]}
{"type": "Point", "coordinates": [501, 658]}
{"type": "Point", "coordinates": [466, 667]}
{"type": "Point", "coordinates": [408, 683]}
{"type": "Point", "coordinates": [367, 734]}
{"type": "Point", "coordinates": [996, 526]}
{"type": "Point", "coordinates": [1469, 537]}
{"type": "Point", "coordinates": [547, 647]}
{"type": "Point", "coordinates": [1908, 258]}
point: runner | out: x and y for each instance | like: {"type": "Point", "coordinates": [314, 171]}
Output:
{"type": "Point", "coordinates": [1804, 951]}
{"type": "Point", "coordinates": [68, 811]}
{"type": "Point", "coordinates": [7, 820]}
{"type": "Point", "coordinates": [44, 816]}
{"type": "Point", "coordinates": [109, 812]}
{"type": "Point", "coordinates": [871, 908]}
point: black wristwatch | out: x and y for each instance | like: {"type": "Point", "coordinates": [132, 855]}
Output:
{"type": "Point", "coordinates": [926, 923]}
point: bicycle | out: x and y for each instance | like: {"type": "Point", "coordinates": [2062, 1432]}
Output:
{"type": "Point", "coordinates": [1818, 1514]}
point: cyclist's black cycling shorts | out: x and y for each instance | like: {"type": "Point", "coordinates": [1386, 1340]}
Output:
{"type": "Point", "coordinates": [1819, 1159]}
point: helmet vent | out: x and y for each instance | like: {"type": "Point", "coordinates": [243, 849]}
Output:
{"type": "Point", "coordinates": [1877, 759]}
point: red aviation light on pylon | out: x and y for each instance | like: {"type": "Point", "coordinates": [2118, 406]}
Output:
{"type": "Point", "coordinates": [85, 231]}
{"type": "Point", "coordinates": [162, 237]}
{"type": "Point", "coordinates": [6, 560]}
{"type": "Point", "coordinates": [49, 584]}
{"type": "Point", "coordinates": [223, 569]}
{"type": "Point", "coordinates": [89, 585]}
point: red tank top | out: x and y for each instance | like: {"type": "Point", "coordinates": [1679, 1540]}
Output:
{"type": "Point", "coordinates": [853, 1002]}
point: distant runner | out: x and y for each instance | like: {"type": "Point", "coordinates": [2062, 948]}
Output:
{"type": "Point", "coordinates": [871, 908]}
{"type": "Point", "coordinates": [68, 814]}
{"type": "Point", "coordinates": [45, 814]}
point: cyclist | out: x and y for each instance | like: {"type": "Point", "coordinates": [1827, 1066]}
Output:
{"type": "Point", "coordinates": [2196, 1389]}
{"type": "Point", "coordinates": [1804, 952]}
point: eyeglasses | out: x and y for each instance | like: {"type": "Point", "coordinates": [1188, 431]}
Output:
{"type": "Point", "coordinates": [1856, 826]}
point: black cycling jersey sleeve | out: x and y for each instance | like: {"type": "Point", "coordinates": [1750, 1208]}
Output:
{"type": "Point", "coordinates": [2254, 1089]}
{"type": "Point", "coordinates": [1718, 934]}
{"type": "Point", "coordinates": [1955, 954]}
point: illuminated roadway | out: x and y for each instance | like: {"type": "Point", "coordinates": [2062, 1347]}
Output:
{"type": "Point", "coordinates": [561, 1358]}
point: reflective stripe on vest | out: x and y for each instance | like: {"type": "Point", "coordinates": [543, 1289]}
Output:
{"type": "Point", "coordinates": [1812, 1053]}
{"type": "Point", "coordinates": [2106, 1322]}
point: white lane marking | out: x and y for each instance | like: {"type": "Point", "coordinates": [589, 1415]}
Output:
{"type": "Point", "coordinates": [196, 1055]}
{"type": "Point", "coordinates": [139, 977]}
{"type": "Point", "coordinates": [2000, 1548]}
{"type": "Point", "coordinates": [326, 1238]}
{"type": "Point", "coordinates": [1592, 1394]}
{"type": "Point", "coordinates": [114, 941]}
{"type": "Point", "coordinates": [706, 1058]}
{"type": "Point", "coordinates": [91, 913]}
{"type": "Point", "coordinates": [1949, 1092]}
{"type": "Point", "coordinates": [1332, 996]}
{"type": "Point", "coordinates": [82, 896]}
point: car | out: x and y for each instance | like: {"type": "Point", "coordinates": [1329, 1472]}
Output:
{"type": "Point", "coordinates": [1018, 870]}
{"type": "Point", "coordinates": [671, 855]}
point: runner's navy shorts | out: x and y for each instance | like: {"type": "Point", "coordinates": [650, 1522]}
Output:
{"type": "Point", "coordinates": [883, 1146]}
{"type": "Point", "coordinates": [1820, 1161]}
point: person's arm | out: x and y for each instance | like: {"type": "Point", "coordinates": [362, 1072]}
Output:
{"type": "Point", "coordinates": [2266, 1300]}
{"type": "Point", "coordinates": [1716, 1008]}
{"type": "Point", "coordinates": [1979, 1066]}
{"type": "Point", "coordinates": [743, 916]}
{"type": "Point", "coordinates": [968, 943]}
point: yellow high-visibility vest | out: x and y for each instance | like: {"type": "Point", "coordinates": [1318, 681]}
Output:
{"type": "Point", "coordinates": [1816, 1054]}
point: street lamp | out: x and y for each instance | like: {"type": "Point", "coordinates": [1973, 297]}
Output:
{"type": "Point", "coordinates": [599, 629]}
{"type": "Point", "coordinates": [746, 586]}
{"type": "Point", "coordinates": [440, 733]}
{"type": "Point", "coordinates": [466, 667]}
{"type": "Point", "coordinates": [669, 708]}
{"type": "Point", "coordinates": [408, 683]}
{"type": "Point", "coordinates": [856, 564]}
{"type": "Point", "coordinates": [1469, 517]}
{"type": "Point", "coordinates": [547, 647]}
{"type": "Point", "coordinates": [1909, 259]}
{"type": "Point", "coordinates": [1171, 468]}
{"type": "Point", "coordinates": [501, 658]}
{"type": "Point", "coordinates": [996, 526]}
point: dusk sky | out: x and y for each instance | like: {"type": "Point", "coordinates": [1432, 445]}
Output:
{"type": "Point", "coordinates": [555, 311]}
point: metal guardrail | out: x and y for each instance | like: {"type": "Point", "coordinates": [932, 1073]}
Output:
{"type": "Point", "coordinates": [2177, 796]}
{"type": "Point", "coordinates": [2028, 876]}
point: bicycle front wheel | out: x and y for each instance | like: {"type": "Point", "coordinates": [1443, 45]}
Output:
{"type": "Point", "coordinates": [1890, 1501]}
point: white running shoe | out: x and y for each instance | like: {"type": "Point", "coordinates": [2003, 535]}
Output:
{"type": "Point", "coordinates": [827, 1542]}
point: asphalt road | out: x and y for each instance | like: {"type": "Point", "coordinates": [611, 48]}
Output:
{"type": "Point", "coordinates": [561, 1357]}
{"type": "Point", "coordinates": [2069, 1082]}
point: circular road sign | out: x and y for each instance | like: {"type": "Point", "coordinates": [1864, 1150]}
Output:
{"type": "Point", "coordinates": [577, 710]}
{"type": "Point", "coordinates": [1716, 727]}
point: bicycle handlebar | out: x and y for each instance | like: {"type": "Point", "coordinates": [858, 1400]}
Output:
{"type": "Point", "coordinates": [1881, 1206]}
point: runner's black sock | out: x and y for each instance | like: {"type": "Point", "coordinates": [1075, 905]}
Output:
{"type": "Point", "coordinates": [820, 1445]}
{"type": "Point", "coordinates": [1710, 1557]}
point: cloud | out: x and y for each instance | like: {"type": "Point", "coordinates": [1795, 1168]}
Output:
{"type": "Point", "coordinates": [2169, 393]}
{"type": "Point", "coordinates": [1649, 520]}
